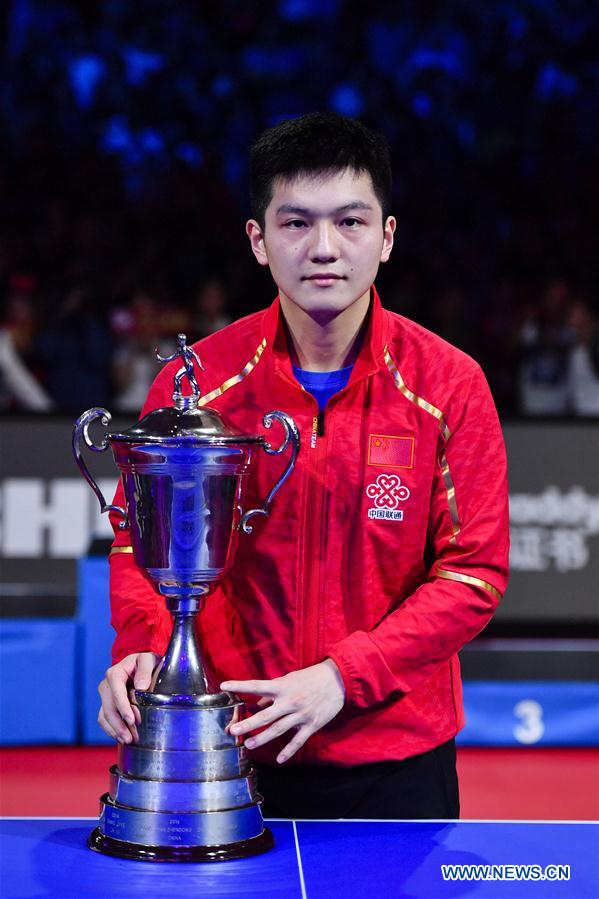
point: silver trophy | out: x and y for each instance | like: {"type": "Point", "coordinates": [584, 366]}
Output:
{"type": "Point", "coordinates": [185, 791]}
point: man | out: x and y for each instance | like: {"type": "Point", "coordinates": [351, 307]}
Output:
{"type": "Point", "coordinates": [385, 552]}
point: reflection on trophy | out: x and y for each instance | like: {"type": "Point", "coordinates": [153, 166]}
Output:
{"type": "Point", "coordinates": [185, 791]}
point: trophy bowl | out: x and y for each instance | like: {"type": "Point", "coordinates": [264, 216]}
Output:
{"type": "Point", "coordinates": [185, 791]}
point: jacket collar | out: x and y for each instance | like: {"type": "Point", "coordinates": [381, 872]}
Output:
{"type": "Point", "coordinates": [371, 355]}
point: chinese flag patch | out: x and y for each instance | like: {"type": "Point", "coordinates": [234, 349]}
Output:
{"type": "Point", "coordinates": [391, 452]}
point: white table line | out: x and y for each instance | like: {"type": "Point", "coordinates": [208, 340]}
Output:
{"type": "Point", "coordinates": [299, 863]}
{"type": "Point", "coordinates": [553, 821]}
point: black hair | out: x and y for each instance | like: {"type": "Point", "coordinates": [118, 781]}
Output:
{"type": "Point", "coordinates": [317, 143]}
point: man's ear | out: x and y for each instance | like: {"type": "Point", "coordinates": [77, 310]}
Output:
{"type": "Point", "coordinates": [256, 236]}
{"type": "Point", "coordinates": [388, 233]}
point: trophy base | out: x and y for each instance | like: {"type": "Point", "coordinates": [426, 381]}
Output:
{"type": "Point", "coordinates": [99, 842]}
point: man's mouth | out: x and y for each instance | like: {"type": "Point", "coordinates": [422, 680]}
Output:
{"type": "Point", "coordinates": [324, 276]}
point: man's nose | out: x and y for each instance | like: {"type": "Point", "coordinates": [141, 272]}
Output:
{"type": "Point", "coordinates": [325, 246]}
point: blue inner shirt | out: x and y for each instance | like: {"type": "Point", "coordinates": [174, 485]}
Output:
{"type": "Point", "coordinates": [323, 384]}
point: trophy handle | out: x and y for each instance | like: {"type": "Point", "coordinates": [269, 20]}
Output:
{"type": "Point", "coordinates": [291, 436]}
{"type": "Point", "coordinates": [81, 436]}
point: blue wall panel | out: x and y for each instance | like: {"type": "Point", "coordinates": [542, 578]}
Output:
{"type": "Point", "coordinates": [531, 713]}
{"type": "Point", "coordinates": [95, 639]}
{"type": "Point", "coordinates": [38, 681]}
{"type": "Point", "coordinates": [51, 669]}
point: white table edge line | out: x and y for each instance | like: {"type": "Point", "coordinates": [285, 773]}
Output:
{"type": "Point", "coordinates": [48, 818]}
{"type": "Point", "coordinates": [299, 862]}
{"type": "Point", "coordinates": [553, 821]}
{"type": "Point", "coordinates": [437, 820]}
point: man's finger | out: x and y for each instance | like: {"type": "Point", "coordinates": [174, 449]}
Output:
{"type": "Point", "coordinates": [143, 671]}
{"type": "Point", "coordinates": [112, 714]}
{"type": "Point", "coordinates": [121, 731]}
{"type": "Point", "coordinates": [260, 719]}
{"type": "Point", "coordinates": [117, 681]}
{"type": "Point", "coordinates": [281, 726]}
{"type": "Point", "coordinates": [296, 743]}
{"type": "Point", "coordinates": [135, 708]}
{"type": "Point", "coordinates": [114, 726]}
{"type": "Point", "coordinates": [106, 726]}
{"type": "Point", "coordinates": [263, 687]}
{"type": "Point", "coordinates": [265, 701]}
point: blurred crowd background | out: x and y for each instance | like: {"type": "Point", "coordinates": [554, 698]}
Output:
{"type": "Point", "coordinates": [123, 172]}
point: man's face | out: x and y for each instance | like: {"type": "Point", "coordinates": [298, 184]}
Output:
{"type": "Point", "coordinates": [323, 240]}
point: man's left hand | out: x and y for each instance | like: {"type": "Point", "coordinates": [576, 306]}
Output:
{"type": "Point", "coordinates": [303, 701]}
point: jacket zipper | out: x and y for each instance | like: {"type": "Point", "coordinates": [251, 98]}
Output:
{"type": "Point", "coordinates": [311, 559]}
{"type": "Point", "coordinates": [312, 562]}
{"type": "Point", "coordinates": [312, 551]}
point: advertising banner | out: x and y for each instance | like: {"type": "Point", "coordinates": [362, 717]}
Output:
{"type": "Point", "coordinates": [554, 522]}
{"type": "Point", "coordinates": [49, 516]}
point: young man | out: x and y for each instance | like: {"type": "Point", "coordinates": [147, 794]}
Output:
{"type": "Point", "coordinates": [385, 552]}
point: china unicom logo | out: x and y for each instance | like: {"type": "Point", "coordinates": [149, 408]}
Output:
{"type": "Point", "coordinates": [387, 492]}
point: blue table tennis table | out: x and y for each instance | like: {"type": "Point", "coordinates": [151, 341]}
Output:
{"type": "Point", "coordinates": [48, 857]}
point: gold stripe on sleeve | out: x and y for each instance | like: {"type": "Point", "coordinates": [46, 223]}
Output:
{"type": "Point", "coordinates": [453, 506]}
{"type": "Point", "coordinates": [120, 549]}
{"type": "Point", "coordinates": [468, 579]}
{"type": "Point", "coordinates": [231, 382]}
{"type": "Point", "coordinates": [417, 400]}
{"type": "Point", "coordinates": [436, 413]}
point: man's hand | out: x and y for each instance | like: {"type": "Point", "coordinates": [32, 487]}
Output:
{"type": "Point", "coordinates": [118, 718]}
{"type": "Point", "coordinates": [303, 701]}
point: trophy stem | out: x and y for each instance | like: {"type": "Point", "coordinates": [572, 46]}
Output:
{"type": "Point", "coordinates": [182, 670]}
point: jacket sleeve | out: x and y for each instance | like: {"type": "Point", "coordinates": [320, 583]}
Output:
{"type": "Point", "coordinates": [138, 613]}
{"type": "Point", "coordinates": [468, 535]}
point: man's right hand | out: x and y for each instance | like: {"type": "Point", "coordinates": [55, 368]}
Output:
{"type": "Point", "coordinates": [118, 717]}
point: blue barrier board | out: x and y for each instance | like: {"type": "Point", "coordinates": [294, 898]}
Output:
{"type": "Point", "coordinates": [530, 713]}
{"type": "Point", "coordinates": [95, 642]}
{"type": "Point", "coordinates": [73, 657]}
{"type": "Point", "coordinates": [38, 683]}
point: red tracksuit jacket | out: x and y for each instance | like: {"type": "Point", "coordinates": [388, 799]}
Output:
{"type": "Point", "coordinates": [386, 550]}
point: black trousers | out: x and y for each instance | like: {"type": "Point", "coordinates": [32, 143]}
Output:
{"type": "Point", "coordinates": [423, 786]}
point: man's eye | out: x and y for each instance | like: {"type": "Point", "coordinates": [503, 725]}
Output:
{"type": "Point", "coordinates": [351, 222]}
{"type": "Point", "coordinates": [295, 224]}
